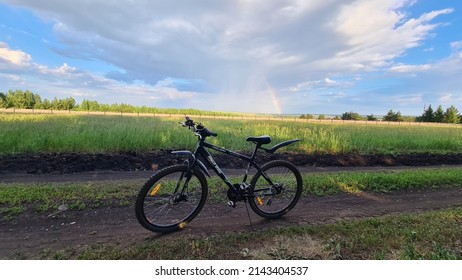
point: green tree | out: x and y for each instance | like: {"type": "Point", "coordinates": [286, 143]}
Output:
{"type": "Point", "coordinates": [451, 115]}
{"type": "Point", "coordinates": [46, 104]}
{"type": "Point", "coordinates": [55, 104]}
{"type": "Point", "coordinates": [351, 116]}
{"type": "Point", "coordinates": [123, 107]}
{"type": "Point", "coordinates": [105, 108]}
{"type": "Point", "coordinates": [399, 117]}
{"type": "Point", "coordinates": [371, 117]}
{"type": "Point", "coordinates": [88, 105]}
{"type": "Point", "coordinates": [2, 100]}
{"type": "Point", "coordinates": [13, 99]}
{"type": "Point", "coordinates": [428, 115]}
{"type": "Point", "coordinates": [393, 117]}
{"type": "Point", "coordinates": [29, 100]}
{"type": "Point", "coordinates": [85, 105]}
{"type": "Point", "coordinates": [38, 102]}
{"type": "Point", "coordinates": [20, 99]}
{"type": "Point", "coordinates": [307, 116]}
{"type": "Point", "coordinates": [322, 117]}
{"type": "Point", "coordinates": [68, 103]}
{"type": "Point", "coordinates": [409, 119]}
{"type": "Point", "coordinates": [439, 115]}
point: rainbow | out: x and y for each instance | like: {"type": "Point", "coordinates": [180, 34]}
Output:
{"type": "Point", "coordinates": [275, 100]}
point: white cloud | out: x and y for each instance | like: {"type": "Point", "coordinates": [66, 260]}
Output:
{"type": "Point", "coordinates": [449, 99]}
{"type": "Point", "coordinates": [403, 68]}
{"type": "Point", "coordinates": [437, 83]}
{"type": "Point", "coordinates": [377, 32]}
{"type": "Point", "coordinates": [185, 40]}
{"type": "Point", "coordinates": [13, 59]}
{"type": "Point", "coordinates": [456, 45]}
{"type": "Point", "coordinates": [320, 85]}
{"type": "Point", "coordinates": [68, 80]}
{"type": "Point", "coordinates": [235, 48]}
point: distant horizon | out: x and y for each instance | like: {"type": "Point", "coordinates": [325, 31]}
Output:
{"type": "Point", "coordinates": [327, 115]}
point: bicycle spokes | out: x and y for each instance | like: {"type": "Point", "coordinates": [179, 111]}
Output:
{"type": "Point", "coordinates": [265, 199]}
{"type": "Point", "coordinates": [276, 190]}
{"type": "Point", "coordinates": [170, 199]}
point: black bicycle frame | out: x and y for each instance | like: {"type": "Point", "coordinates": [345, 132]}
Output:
{"type": "Point", "coordinates": [200, 150]}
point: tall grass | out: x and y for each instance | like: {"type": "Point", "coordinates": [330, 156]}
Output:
{"type": "Point", "coordinates": [82, 133]}
{"type": "Point", "coordinates": [44, 133]}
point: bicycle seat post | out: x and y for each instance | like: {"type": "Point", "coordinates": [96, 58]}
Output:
{"type": "Point", "coordinates": [252, 158]}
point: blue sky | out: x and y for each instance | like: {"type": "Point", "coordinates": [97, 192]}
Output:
{"type": "Point", "coordinates": [329, 57]}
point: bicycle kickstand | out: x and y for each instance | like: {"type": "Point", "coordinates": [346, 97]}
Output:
{"type": "Point", "coordinates": [248, 214]}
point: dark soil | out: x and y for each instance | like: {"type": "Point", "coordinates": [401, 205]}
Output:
{"type": "Point", "coordinates": [135, 161]}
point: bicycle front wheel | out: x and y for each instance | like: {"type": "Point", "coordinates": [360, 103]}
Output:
{"type": "Point", "coordinates": [275, 190]}
{"type": "Point", "coordinates": [169, 200]}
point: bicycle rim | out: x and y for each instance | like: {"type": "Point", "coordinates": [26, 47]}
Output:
{"type": "Point", "coordinates": [276, 199]}
{"type": "Point", "coordinates": [166, 203]}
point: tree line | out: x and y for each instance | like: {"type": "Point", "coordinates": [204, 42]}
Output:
{"type": "Point", "coordinates": [25, 99]}
{"type": "Point", "coordinates": [28, 100]}
{"type": "Point", "coordinates": [450, 115]}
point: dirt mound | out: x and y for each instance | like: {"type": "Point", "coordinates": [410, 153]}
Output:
{"type": "Point", "coordinates": [136, 161]}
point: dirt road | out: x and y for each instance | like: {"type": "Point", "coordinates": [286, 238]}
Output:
{"type": "Point", "coordinates": [32, 234]}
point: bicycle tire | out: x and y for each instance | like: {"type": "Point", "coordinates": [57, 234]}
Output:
{"type": "Point", "coordinates": [159, 209]}
{"type": "Point", "coordinates": [265, 200]}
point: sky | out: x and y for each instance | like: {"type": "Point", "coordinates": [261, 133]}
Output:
{"type": "Point", "coordinates": [255, 56]}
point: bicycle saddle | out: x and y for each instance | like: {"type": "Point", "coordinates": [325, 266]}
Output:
{"type": "Point", "coordinates": [264, 139]}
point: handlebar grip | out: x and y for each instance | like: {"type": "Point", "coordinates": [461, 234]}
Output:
{"type": "Point", "coordinates": [206, 133]}
{"type": "Point", "coordinates": [189, 122]}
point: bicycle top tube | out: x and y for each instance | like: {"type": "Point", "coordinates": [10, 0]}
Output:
{"type": "Point", "coordinates": [225, 151]}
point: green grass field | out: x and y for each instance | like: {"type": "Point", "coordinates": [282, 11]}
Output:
{"type": "Point", "coordinates": [82, 133]}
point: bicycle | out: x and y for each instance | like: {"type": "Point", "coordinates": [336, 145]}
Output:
{"type": "Point", "coordinates": [175, 195]}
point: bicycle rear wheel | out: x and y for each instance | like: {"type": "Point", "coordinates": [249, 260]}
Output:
{"type": "Point", "coordinates": [274, 196]}
{"type": "Point", "coordinates": [168, 200]}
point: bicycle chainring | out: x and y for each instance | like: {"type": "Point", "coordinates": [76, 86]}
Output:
{"type": "Point", "coordinates": [232, 196]}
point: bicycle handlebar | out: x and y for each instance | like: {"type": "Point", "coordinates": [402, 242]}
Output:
{"type": "Point", "coordinates": [197, 128]}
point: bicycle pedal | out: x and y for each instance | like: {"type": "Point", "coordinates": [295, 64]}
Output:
{"type": "Point", "coordinates": [232, 204]}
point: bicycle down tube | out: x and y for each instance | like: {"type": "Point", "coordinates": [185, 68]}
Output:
{"type": "Point", "coordinates": [205, 154]}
